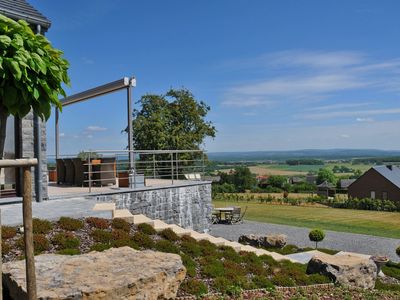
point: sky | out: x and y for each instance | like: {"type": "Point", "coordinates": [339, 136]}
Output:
{"type": "Point", "coordinates": [278, 75]}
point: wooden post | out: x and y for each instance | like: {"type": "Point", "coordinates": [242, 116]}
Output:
{"type": "Point", "coordinates": [28, 234]}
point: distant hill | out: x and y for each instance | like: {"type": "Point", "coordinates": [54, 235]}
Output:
{"type": "Point", "coordinates": [325, 154]}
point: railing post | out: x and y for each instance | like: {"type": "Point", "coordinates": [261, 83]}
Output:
{"type": "Point", "coordinates": [172, 168]}
{"type": "Point", "coordinates": [177, 166]}
{"type": "Point", "coordinates": [202, 162]}
{"type": "Point", "coordinates": [28, 234]}
{"type": "Point", "coordinates": [154, 166]}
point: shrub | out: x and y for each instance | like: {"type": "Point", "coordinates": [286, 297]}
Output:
{"type": "Point", "coordinates": [146, 229]}
{"type": "Point", "coordinates": [392, 269]}
{"type": "Point", "coordinates": [207, 248]}
{"type": "Point", "coordinates": [229, 253]}
{"type": "Point", "coordinates": [194, 287]}
{"type": "Point", "coordinates": [166, 246]}
{"type": "Point", "coordinates": [121, 224]}
{"type": "Point", "coordinates": [5, 248]}
{"type": "Point", "coordinates": [233, 269]}
{"type": "Point", "coordinates": [318, 279]}
{"type": "Point", "coordinates": [212, 268]}
{"type": "Point", "coordinates": [398, 251]}
{"type": "Point", "coordinates": [100, 247]}
{"type": "Point", "coordinates": [41, 226]}
{"type": "Point", "coordinates": [70, 224]}
{"type": "Point", "coordinates": [221, 284]}
{"type": "Point", "coordinates": [8, 232]}
{"type": "Point", "coordinates": [102, 236]}
{"type": "Point", "coordinates": [119, 234]}
{"type": "Point", "coordinates": [188, 238]}
{"type": "Point", "coordinates": [316, 235]}
{"type": "Point", "coordinates": [282, 280]}
{"type": "Point", "coordinates": [379, 285]}
{"type": "Point", "coordinates": [189, 264]}
{"type": "Point", "coordinates": [69, 252]}
{"type": "Point", "coordinates": [143, 240]}
{"type": "Point", "coordinates": [191, 248]}
{"type": "Point", "coordinates": [65, 240]}
{"type": "Point", "coordinates": [123, 243]}
{"type": "Point", "coordinates": [98, 223]}
{"type": "Point", "coordinates": [40, 243]}
{"type": "Point", "coordinates": [169, 235]}
{"type": "Point", "coordinates": [262, 282]}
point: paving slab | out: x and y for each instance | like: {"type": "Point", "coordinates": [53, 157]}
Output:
{"type": "Point", "coordinates": [123, 214]}
{"type": "Point", "coordinates": [139, 219]}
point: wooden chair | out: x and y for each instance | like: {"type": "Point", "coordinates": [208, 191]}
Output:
{"type": "Point", "coordinates": [237, 216]}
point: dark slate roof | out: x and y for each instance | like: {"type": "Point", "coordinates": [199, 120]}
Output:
{"type": "Point", "coordinates": [345, 183]}
{"type": "Point", "coordinates": [391, 173]}
{"type": "Point", "coordinates": [22, 10]}
{"type": "Point", "coordinates": [326, 184]}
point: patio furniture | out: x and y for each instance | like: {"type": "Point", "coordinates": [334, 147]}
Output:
{"type": "Point", "coordinates": [105, 173]}
{"type": "Point", "coordinates": [237, 216]}
{"type": "Point", "coordinates": [223, 214]}
{"type": "Point", "coordinates": [80, 170]}
{"type": "Point", "coordinates": [60, 171]}
{"type": "Point", "coordinates": [69, 171]}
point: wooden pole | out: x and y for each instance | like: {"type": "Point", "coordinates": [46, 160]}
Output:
{"type": "Point", "coordinates": [28, 234]}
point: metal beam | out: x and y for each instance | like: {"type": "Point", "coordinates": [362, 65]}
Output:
{"type": "Point", "coordinates": [97, 91]}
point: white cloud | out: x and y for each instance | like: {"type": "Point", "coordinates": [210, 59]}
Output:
{"type": "Point", "coordinates": [364, 120]}
{"type": "Point", "coordinates": [351, 113]}
{"type": "Point", "coordinates": [345, 136]}
{"type": "Point", "coordinates": [338, 106]}
{"type": "Point", "coordinates": [93, 128]}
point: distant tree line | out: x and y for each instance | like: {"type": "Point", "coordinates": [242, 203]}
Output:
{"type": "Point", "coordinates": [296, 162]}
{"type": "Point", "coordinates": [376, 160]}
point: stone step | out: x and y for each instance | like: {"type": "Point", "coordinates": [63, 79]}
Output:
{"type": "Point", "coordinates": [217, 241]}
{"type": "Point", "coordinates": [124, 214]}
{"type": "Point", "coordinates": [106, 206]}
{"type": "Point", "coordinates": [140, 219]}
{"type": "Point", "coordinates": [198, 236]}
{"type": "Point", "coordinates": [179, 230]}
{"type": "Point", "coordinates": [235, 245]}
{"type": "Point", "coordinates": [159, 225]}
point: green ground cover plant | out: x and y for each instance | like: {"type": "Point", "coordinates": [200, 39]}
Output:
{"type": "Point", "coordinates": [8, 232]}
{"type": "Point", "coordinates": [70, 224]}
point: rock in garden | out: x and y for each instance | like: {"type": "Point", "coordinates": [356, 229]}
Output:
{"type": "Point", "coordinates": [118, 273]}
{"type": "Point", "coordinates": [347, 270]}
{"type": "Point", "coordinates": [268, 241]}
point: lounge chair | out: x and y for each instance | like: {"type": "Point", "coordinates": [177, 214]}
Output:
{"type": "Point", "coordinates": [69, 171]}
{"type": "Point", "coordinates": [60, 167]}
{"type": "Point", "coordinates": [238, 218]}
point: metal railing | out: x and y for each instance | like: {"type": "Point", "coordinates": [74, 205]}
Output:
{"type": "Point", "coordinates": [127, 169]}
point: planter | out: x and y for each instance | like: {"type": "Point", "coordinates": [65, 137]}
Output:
{"type": "Point", "coordinates": [380, 261]}
{"type": "Point", "coordinates": [53, 175]}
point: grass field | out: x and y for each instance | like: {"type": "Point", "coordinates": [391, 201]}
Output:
{"type": "Point", "coordinates": [386, 224]}
{"type": "Point", "coordinates": [287, 170]}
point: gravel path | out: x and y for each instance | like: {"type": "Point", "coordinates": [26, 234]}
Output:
{"type": "Point", "coordinates": [351, 242]}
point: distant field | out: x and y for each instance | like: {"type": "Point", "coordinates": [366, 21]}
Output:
{"type": "Point", "coordinates": [386, 224]}
{"type": "Point", "coordinates": [287, 170]}
{"type": "Point", "coordinates": [280, 195]}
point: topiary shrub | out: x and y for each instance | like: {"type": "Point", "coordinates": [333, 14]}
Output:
{"type": "Point", "coordinates": [5, 248]}
{"type": "Point", "coordinates": [194, 287]}
{"type": "Point", "coordinates": [166, 246]}
{"type": "Point", "coordinates": [189, 264]}
{"type": "Point", "coordinates": [65, 240]}
{"type": "Point", "coordinates": [41, 226]}
{"type": "Point", "coordinates": [70, 224]}
{"type": "Point", "coordinates": [100, 247]}
{"type": "Point", "coordinates": [191, 248]}
{"type": "Point", "coordinates": [146, 229]}
{"type": "Point", "coordinates": [316, 235]}
{"type": "Point", "coordinates": [69, 252]}
{"type": "Point", "coordinates": [98, 223]}
{"type": "Point", "coordinates": [8, 232]}
{"type": "Point", "coordinates": [121, 224]}
{"type": "Point", "coordinates": [169, 235]}
{"type": "Point", "coordinates": [102, 236]}
{"type": "Point", "coordinates": [143, 240]}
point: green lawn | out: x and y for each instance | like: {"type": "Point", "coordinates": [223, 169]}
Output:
{"type": "Point", "coordinates": [315, 168]}
{"type": "Point", "coordinates": [386, 224]}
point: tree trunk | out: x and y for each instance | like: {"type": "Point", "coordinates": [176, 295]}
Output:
{"type": "Point", "coordinates": [3, 128]}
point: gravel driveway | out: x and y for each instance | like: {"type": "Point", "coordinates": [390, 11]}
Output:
{"type": "Point", "coordinates": [351, 242]}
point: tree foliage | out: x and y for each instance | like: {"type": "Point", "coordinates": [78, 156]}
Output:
{"type": "Point", "coordinates": [241, 178]}
{"type": "Point", "coordinates": [326, 175]}
{"type": "Point", "coordinates": [32, 72]}
{"type": "Point", "coordinates": [316, 235]}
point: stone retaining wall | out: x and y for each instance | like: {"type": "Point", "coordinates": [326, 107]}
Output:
{"type": "Point", "coordinates": [187, 205]}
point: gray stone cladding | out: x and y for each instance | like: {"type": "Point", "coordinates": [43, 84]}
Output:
{"type": "Point", "coordinates": [28, 149]}
{"type": "Point", "coordinates": [188, 206]}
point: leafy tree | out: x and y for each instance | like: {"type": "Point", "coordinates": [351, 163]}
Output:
{"type": "Point", "coordinates": [32, 73]}
{"type": "Point", "coordinates": [174, 121]}
{"type": "Point", "coordinates": [357, 174]}
{"type": "Point", "coordinates": [316, 235]}
{"type": "Point", "coordinates": [277, 181]}
{"type": "Point", "coordinates": [241, 178]}
{"type": "Point", "coordinates": [326, 175]}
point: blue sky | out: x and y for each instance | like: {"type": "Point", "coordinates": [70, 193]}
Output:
{"type": "Point", "coordinates": [278, 75]}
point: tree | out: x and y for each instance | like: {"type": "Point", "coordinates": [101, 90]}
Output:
{"type": "Point", "coordinates": [240, 177]}
{"type": "Point", "coordinates": [277, 181]}
{"type": "Point", "coordinates": [174, 121]}
{"type": "Point", "coordinates": [32, 73]}
{"type": "Point", "coordinates": [316, 235]}
{"type": "Point", "coordinates": [326, 175]}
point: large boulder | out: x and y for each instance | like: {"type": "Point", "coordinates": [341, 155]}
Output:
{"type": "Point", "coordinates": [348, 270]}
{"type": "Point", "coordinates": [267, 241]}
{"type": "Point", "coordinates": [118, 273]}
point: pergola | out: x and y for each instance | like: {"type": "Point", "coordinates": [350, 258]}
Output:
{"type": "Point", "coordinates": [111, 87]}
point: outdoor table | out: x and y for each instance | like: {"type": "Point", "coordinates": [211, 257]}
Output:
{"type": "Point", "coordinates": [225, 211]}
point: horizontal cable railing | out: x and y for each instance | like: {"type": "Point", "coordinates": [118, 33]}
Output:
{"type": "Point", "coordinates": [126, 169]}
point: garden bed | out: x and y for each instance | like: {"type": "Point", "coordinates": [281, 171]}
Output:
{"type": "Point", "coordinates": [210, 269]}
